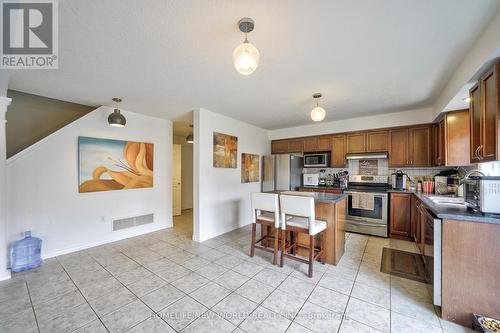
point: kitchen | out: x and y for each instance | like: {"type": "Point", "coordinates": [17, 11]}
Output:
{"type": "Point", "coordinates": [420, 184]}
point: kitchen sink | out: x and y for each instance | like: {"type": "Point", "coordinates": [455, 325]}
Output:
{"type": "Point", "coordinates": [448, 201]}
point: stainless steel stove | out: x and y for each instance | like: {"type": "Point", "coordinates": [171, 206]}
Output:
{"type": "Point", "coordinates": [367, 205]}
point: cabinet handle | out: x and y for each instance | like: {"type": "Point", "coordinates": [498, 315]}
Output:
{"type": "Point", "coordinates": [479, 152]}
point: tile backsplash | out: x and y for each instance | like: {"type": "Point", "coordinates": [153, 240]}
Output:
{"type": "Point", "coordinates": [384, 170]}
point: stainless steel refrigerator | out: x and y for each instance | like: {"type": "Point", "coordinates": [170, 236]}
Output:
{"type": "Point", "coordinates": [282, 172]}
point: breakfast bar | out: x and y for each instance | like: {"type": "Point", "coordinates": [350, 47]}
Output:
{"type": "Point", "coordinates": [332, 209]}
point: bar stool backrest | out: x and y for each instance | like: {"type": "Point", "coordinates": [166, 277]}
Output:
{"type": "Point", "coordinates": [298, 206]}
{"type": "Point", "coordinates": [268, 202]}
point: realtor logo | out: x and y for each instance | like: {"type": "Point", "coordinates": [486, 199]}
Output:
{"type": "Point", "coordinates": [29, 34]}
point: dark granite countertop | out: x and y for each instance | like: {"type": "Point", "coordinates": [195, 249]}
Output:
{"type": "Point", "coordinates": [452, 212]}
{"type": "Point", "coordinates": [322, 197]}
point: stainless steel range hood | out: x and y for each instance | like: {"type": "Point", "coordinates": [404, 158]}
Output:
{"type": "Point", "coordinates": [366, 156]}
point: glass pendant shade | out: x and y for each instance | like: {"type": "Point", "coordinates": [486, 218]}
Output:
{"type": "Point", "coordinates": [246, 58]}
{"type": "Point", "coordinates": [318, 113]}
{"type": "Point", "coordinates": [190, 138]}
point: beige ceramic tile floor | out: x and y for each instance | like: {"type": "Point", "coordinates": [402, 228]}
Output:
{"type": "Point", "coordinates": [164, 282]}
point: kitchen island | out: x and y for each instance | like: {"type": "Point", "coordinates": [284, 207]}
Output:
{"type": "Point", "coordinates": [331, 208]}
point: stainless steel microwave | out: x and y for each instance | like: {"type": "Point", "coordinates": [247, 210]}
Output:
{"type": "Point", "coordinates": [316, 160]}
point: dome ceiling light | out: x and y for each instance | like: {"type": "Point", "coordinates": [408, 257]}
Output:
{"type": "Point", "coordinates": [318, 113]}
{"type": "Point", "coordinates": [190, 137]}
{"type": "Point", "coordinates": [116, 119]}
{"type": "Point", "coordinates": [246, 56]}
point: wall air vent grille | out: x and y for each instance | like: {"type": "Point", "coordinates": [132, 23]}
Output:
{"type": "Point", "coordinates": [134, 221]}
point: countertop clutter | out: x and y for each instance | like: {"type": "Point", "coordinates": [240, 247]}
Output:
{"type": "Point", "coordinates": [454, 212]}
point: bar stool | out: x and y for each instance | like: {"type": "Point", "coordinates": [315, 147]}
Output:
{"type": "Point", "coordinates": [298, 215]}
{"type": "Point", "coordinates": [265, 211]}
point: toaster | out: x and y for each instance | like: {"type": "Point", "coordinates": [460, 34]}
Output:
{"type": "Point", "coordinates": [482, 193]}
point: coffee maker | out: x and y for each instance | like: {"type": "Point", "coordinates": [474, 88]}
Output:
{"type": "Point", "coordinates": [398, 180]}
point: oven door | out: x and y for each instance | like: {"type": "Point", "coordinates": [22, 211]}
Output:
{"type": "Point", "coordinates": [371, 222]}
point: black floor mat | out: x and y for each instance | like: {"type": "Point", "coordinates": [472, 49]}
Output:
{"type": "Point", "coordinates": [404, 264]}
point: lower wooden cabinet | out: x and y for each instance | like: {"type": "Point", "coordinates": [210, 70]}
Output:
{"type": "Point", "coordinates": [400, 215]}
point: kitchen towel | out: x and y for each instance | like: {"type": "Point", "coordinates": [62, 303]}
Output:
{"type": "Point", "coordinates": [364, 201]}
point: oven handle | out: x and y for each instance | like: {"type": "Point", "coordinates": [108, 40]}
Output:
{"type": "Point", "coordinates": [367, 224]}
{"type": "Point", "coordinates": [383, 195]}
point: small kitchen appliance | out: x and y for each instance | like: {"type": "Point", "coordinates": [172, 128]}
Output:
{"type": "Point", "coordinates": [482, 193]}
{"type": "Point", "coordinates": [310, 179]}
{"type": "Point", "coordinates": [322, 177]}
{"type": "Point", "coordinates": [398, 180]}
{"type": "Point", "coordinates": [316, 160]}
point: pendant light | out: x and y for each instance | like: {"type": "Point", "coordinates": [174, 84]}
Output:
{"type": "Point", "coordinates": [318, 113]}
{"type": "Point", "coordinates": [246, 56]}
{"type": "Point", "coordinates": [116, 119]}
{"type": "Point", "coordinates": [190, 137]}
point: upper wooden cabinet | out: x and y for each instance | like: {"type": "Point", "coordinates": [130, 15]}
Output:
{"type": "Point", "coordinates": [317, 143]}
{"type": "Point", "coordinates": [485, 117]}
{"type": "Point", "coordinates": [356, 143]}
{"type": "Point", "coordinates": [440, 143]}
{"type": "Point", "coordinates": [410, 147]}
{"type": "Point", "coordinates": [420, 146]}
{"type": "Point", "coordinates": [377, 141]}
{"type": "Point", "coordinates": [287, 146]}
{"type": "Point", "coordinates": [457, 138]}
{"type": "Point", "coordinates": [372, 141]}
{"type": "Point", "coordinates": [339, 146]}
{"type": "Point", "coordinates": [398, 148]}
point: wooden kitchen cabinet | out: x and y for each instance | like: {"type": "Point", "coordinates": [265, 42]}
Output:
{"type": "Point", "coordinates": [400, 215]}
{"type": "Point", "coordinates": [279, 147]}
{"type": "Point", "coordinates": [339, 148]}
{"type": "Point", "coordinates": [311, 144]}
{"type": "Point", "coordinates": [410, 147]}
{"type": "Point", "coordinates": [415, 203]}
{"type": "Point", "coordinates": [440, 147]}
{"type": "Point", "coordinates": [452, 139]}
{"type": "Point", "coordinates": [324, 143]}
{"type": "Point", "coordinates": [420, 146]}
{"type": "Point", "coordinates": [377, 141]}
{"type": "Point", "coordinates": [356, 143]}
{"type": "Point", "coordinates": [398, 148]}
{"type": "Point", "coordinates": [484, 117]}
{"type": "Point", "coordinates": [287, 146]}
{"type": "Point", "coordinates": [422, 222]}
{"type": "Point", "coordinates": [475, 122]}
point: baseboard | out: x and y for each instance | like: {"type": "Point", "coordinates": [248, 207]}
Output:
{"type": "Point", "coordinates": [5, 276]}
{"type": "Point", "coordinates": [61, 252]}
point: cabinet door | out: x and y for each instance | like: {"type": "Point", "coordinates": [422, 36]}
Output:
{"type": "Point", "coordinates": [377, 141]}
{"type": "Point", "coordinates": [398, 148]}
{"type": "Point", "coordinates": [296, 146]}
{"type": "Point", "coordinates": [420, 146]}
{"type": "Point", "coordinates": [324, 143]}
{"type": "Point", "coordinates": [338, 152]}
{"type": "Point", "coordinates": [279, 147]}
{"type": "Point", "coordinates": [414, 216]}
{"type": "Point", "coordinates": [356, 143]}
{"type": "Point", "coordinates": [489, 126]}
{"type": "Point", "coordinates": [441, 143]}
{"type": "Point", "coordinates": [435, 153]}
{"type": "Point", "coordinates": [334, 191]}
{"type": "Point", "coordinates": [475, 122]}
{"type": "Point", "coordinates": [422, 223]}
{"type": "Point", "coordinates": [311, 144]}
{"type": "Point", "coordinates": [457, 138]}
{"type": "Point", "coordinates": [400, 223]}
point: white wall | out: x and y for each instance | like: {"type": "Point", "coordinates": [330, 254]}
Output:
{"type": "Point", "coordinates": [42, 184]}
{"type": "Point", "coordinates": [222, 202]}
{"type": "Point", "coordinates": [403, 118]}
{"type": "Point", "coordinates": [187, 172]}
{"type": "Point", "coordinates": [486, 47]}
{"type": "Point", "coordinates": [4, 103]}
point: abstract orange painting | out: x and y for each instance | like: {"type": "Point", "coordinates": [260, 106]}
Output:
{"type": "Point", "coordinates": [225, 154]}
{"type": "Point", "coordinates": [107, 165]}
{"type": "Point", "coordinates": [249, 168]}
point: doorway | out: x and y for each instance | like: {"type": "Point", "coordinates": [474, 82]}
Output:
{"type": "Point", "coordinates": [182, 175]}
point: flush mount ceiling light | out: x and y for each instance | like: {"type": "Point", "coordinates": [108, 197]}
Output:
{"type": "Point", "coordinates": [246, 56]}
{"type": "Point", "coordinates": [318, 113]}
{"type": "Point", "coordinates": [190, 137]}
{"type": "Point", "coordinates": [466, 99]}
{"type": "Point", "coordinates": [116, 119]}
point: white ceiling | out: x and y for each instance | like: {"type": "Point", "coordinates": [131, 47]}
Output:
{"type": "Point", "coordinates": [165, 58]}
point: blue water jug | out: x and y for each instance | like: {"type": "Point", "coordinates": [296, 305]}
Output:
{"type": "Point", "coordinates": [26, 253]}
